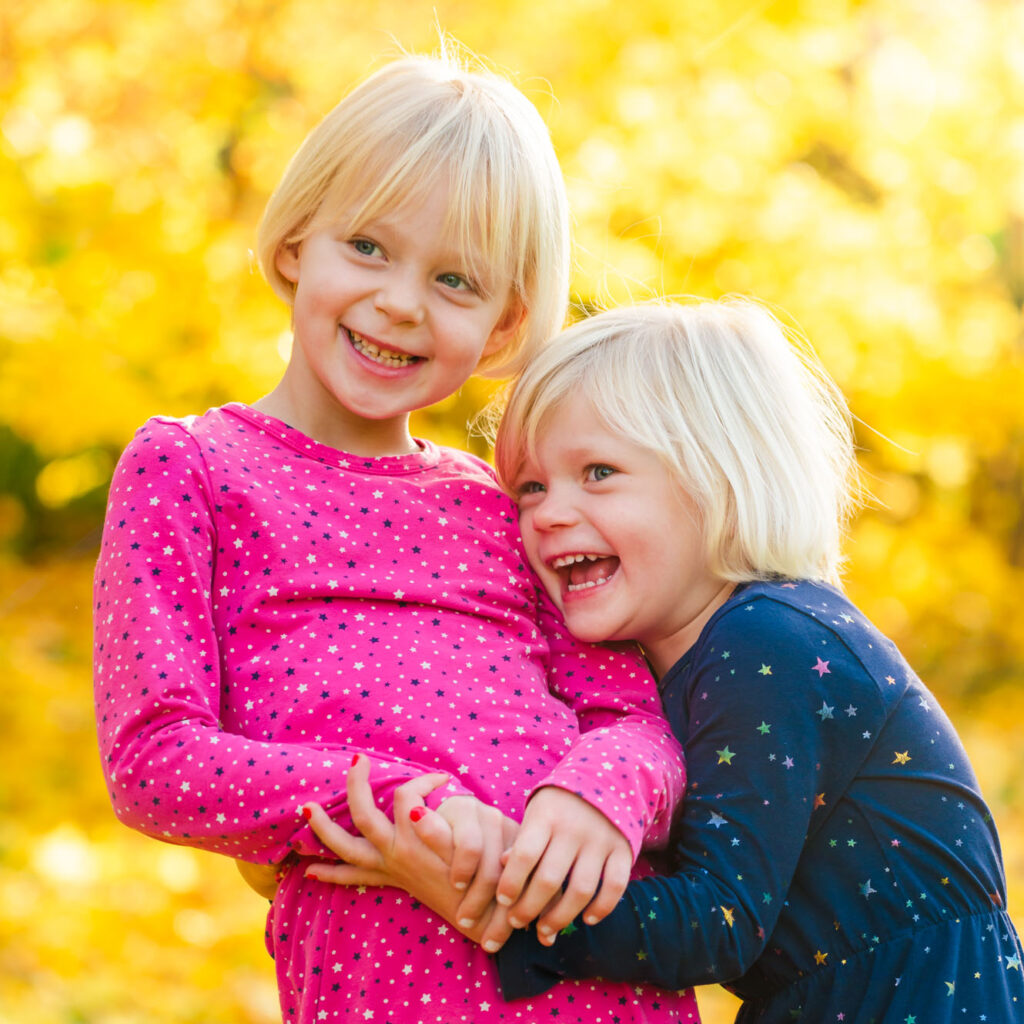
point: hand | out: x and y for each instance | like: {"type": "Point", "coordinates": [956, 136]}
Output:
{"type": "Point", "coordinates": [479, 835]}
{"type": "Point", "coordinates": [563, 839]}
{"type": "Point", "coordinates": [263, 878]}
{"type": "Point", "coordinates": [413, 856]}
{"type": "Point", "coordinates": [384, 854]}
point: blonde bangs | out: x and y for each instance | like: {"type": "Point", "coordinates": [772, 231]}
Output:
{"type": "Point", "coordinates": [412, 125]}
{"type": "Point", "coordinates": [744, 416]}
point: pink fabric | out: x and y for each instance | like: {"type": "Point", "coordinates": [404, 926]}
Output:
{"type": "Point", "coordinates": [267, 606]}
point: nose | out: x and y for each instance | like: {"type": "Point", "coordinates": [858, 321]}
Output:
{"type": "Point", "coordinates": [554, 509]}
{"type": "Point", "coordinates": [399, 296]}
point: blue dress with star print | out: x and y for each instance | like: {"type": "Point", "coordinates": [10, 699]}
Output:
{"type": "Point", "coordinates": [834, 860]}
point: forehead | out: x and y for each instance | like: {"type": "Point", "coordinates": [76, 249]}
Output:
{"type": "Point", "coordinates": [572, 430]}
{"type": "Point", "coordinates": [425, 220]}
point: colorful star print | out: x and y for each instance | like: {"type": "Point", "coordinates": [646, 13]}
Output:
{"type": "Point", "coordinates": [871, 866]}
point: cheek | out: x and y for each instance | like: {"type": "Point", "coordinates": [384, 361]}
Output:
{"type": "Point", "coordinates": [531, 543]}
{"type": "Point", "coordinates": [529, 540]}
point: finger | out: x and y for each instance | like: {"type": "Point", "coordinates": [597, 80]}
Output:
{"type": "Point", "coordinates": [433, 831]}
{"type": "Point", "coordinates": [425, 825]}
{"type": "Point", "coordinates": [412, 794]}
{"type": "Point", "coordinates": [580, 887]}
{"type": "Point", "coordinates": [467, 850]}
{"type": "Point", "coordinates": [498, 929]}
{"type": "Point", "coordinates": [509, 831]}
{"type": "Point", "coordinates": [481, 891]}
{"type": "Point", "coordinates": [614, 880]}
{"type": "Point", "coordinates": [545, 881]}
{"type": "Point", "coordinates": [346, 874]}
{"type": "Point", "coordinates": [352, 849]}
{"type": "Point", "coordinates": [520, 861]}
{"type": "Point", "coordinates": [367, 817]}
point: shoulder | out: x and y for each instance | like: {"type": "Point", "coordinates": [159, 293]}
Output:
{"type": "Point", "coordinates": [180, 428]}
{"type": "Point", "coordinates": [799, 623]}
{"type": "Point", "coordinates": [796, 608]}
{"type": "Point", "coordinates": [457, 466]}
{"type": "Point", "coordinates": [466, 464]}
{"type": "Point", "coordinates": [184, 433]}
{"type": "Point", "coordinates": [173, 449]}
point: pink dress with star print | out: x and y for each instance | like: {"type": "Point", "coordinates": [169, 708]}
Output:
{"type": "Point", "coordinates": [266, 607]}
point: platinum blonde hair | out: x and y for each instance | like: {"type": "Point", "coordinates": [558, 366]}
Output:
{"type": "Point", "coordinates": [744, 416]}
{"type": "Point", "coordinates": [423, 120]}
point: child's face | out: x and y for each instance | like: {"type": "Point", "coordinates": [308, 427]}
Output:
{"type": "Point", "coordinates": [386, 321]}
{"type": "Point", "coordinates": [615, 542]}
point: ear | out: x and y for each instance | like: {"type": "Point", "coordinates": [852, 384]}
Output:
{"type": "Point", "coordinates": [287, 261]}
{"type": "Point", "coordinates": [506, 327]}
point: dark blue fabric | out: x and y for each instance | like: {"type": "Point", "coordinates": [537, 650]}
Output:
{"type": "Point", "coordinates": [834, 859]}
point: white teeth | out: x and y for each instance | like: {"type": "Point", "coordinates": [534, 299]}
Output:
{"type": "Point", "coordinates": [586, 586]}
{"type": "Point", "coordinates": [386, 357]}
{"type": "Point", "coordinates": [564, 560]}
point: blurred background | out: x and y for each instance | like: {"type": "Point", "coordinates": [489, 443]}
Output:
{"type": "Point", "coordinates": [859, 165]}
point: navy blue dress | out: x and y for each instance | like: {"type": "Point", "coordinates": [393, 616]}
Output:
{"type": "Point", "coordinates": [834, 859]}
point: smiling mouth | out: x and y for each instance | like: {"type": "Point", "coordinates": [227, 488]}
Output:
{"type": "Point", "coordinates": [376, 354]}
{"type": "Point", "coordinates": [585, 571]}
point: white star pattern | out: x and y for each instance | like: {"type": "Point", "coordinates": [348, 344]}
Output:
{"type": "Point", "coordinates": [293, 636]}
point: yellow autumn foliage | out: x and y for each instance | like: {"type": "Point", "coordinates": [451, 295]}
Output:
{"type": "Point", "coordinates": [858, 164]}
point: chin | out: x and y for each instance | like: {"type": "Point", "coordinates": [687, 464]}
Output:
{"type": "Point", "coordinates": [590, 633]}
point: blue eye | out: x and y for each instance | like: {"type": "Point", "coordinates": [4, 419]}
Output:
{"type": "Point", "coordinates": [600, 472]}
{"type": "Point", "coordinates": [365, 247]}
{"type": "Point", "coordinates": [455, 281]}
{"type": "Point", "coordinates": [530, 487]}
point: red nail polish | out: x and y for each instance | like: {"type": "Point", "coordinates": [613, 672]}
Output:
{"type": "Point", "coordinates": [355, 760]}
{"type": "Point", "coordinates": [417, 812]}
{"type": "Point", "coordinates": [313, 875]}
{"type": "Point", "coordinates": [307, 813]}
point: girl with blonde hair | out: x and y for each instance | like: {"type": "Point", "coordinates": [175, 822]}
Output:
{"type": "Point", "coordinates": [287, 585]}
{"type": "Point", "coordinates": [684, 473]}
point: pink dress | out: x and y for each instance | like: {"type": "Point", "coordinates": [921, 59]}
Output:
{"type": "Point", "coordinates": [266, 607]}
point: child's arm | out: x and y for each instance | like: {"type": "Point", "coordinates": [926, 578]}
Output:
{"type": "Point", "coordinates": [627, 762]}
{"type": "Point", "coordinates": [172, 771]}
{"type": "Point", "coordinates": [755, 750]}
{"type": "Point", "coordinates": [620, 781]}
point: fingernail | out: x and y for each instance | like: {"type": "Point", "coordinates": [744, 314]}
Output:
{"type": "Point", "coordinates": [417, 812]}
{"type": "Point", "coordinates": [543, 930]}
{"type": "Point", "coordinates": [491, 946]}
{"type": "Point", "coordinates": [307, 813]}
{"type": "Point", "coordinates": [503, 900]}
{"type": "Point", "coordinates": [590, 920]}
{"type": "Point", "coordinates": [312, 874]}
{"type": "Point", "coordinates": [355, 760]}
{"type": "Point", "coordinates": [466, 922]}
{"type": "Point", "coordinates": [515, 922]}
{"type": "Point", "coordinates": [458, 885]}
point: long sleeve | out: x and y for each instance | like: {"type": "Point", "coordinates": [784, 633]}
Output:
{"type": "Point", "coordinates": [627, 762]}
{"type": "Point", "coordinates": [758, 715]}
{"type": "Point", "coordinates": [173, 770]}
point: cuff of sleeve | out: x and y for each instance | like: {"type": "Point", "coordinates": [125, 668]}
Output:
{"type": "Point", "coordinates": [522, 971]}
{"type": "Point", "coordinates": [574, 783]}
